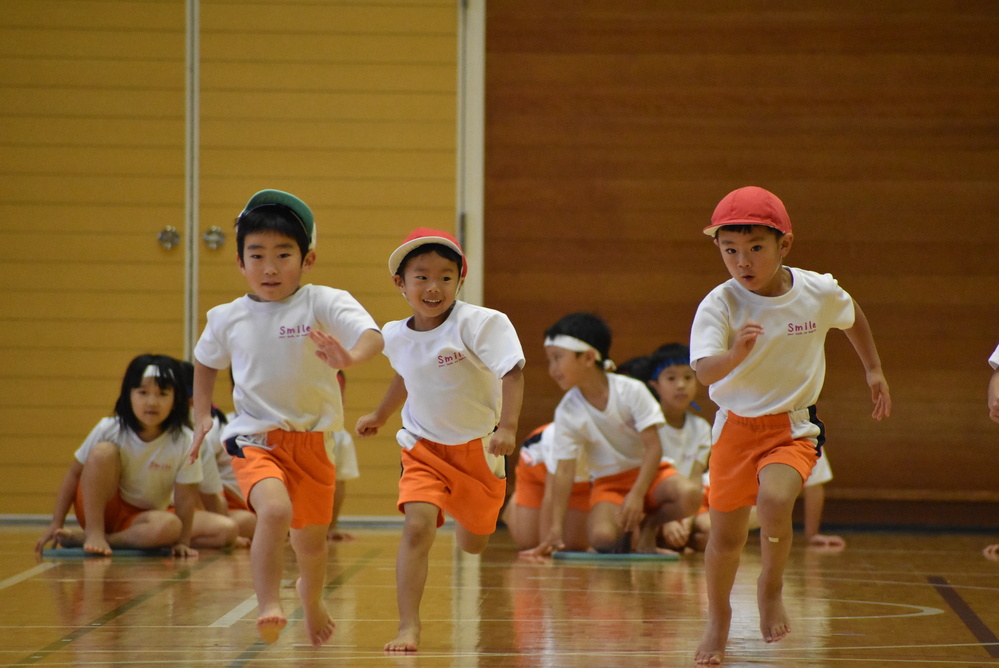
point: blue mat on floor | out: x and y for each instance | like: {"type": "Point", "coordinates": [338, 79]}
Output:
{"type": "Point", "coordinates": [610, 556]}
{"type": "Point", "coordinates": [78, 553]}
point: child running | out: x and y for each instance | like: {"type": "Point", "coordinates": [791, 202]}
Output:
{"type": "Point", "coordinates": [757, 341]}
{"type": "Point", "coordinates": [459, 382]}
{"type": "Point", "coordinates": [992, 551]}
{"type": "Point", "coordinates": [286, 396]}
{"type": "Point", "coordinates": [613, 421]}
{"type": "Point", "coordinates": [123, 476]}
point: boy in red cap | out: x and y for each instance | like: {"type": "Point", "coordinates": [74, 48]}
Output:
{"type": "Point", "coordinates": [460, 385]}
{"type": "Point", "coordinates": [281, 340]}
{"type": "Point", "coordinates": [757, 341]}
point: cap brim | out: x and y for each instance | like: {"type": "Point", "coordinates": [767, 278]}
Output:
{"type": "Point", "coordinates": [395, 259]}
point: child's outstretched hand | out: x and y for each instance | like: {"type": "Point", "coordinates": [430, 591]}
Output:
{"type": "Point", "coordinates": [745, 338]}
{"type": "Point", "coordinates": [330, 350]}
{"type": "Point", "coordinates": [879, 394]}
{"type": "Point", "coordinates": [631, 512]}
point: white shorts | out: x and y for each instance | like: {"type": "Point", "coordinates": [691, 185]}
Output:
{"type": "Point", "coordinates": [821, 474]}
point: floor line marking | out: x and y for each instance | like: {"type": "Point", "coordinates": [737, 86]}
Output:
{"type": "Point", "coordinates": [974, 623]}
{"type": "Point", "coordinates": [30, 573]}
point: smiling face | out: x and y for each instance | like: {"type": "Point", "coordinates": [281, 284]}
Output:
{"type": "Point", "coordinates": [273, 265]}
{"type": "Point", "coordinates": [755, 259]}
{"type": "Point", "coordinates": [430, 284]}
{"type": "Point", "coordinates": [151, 405]}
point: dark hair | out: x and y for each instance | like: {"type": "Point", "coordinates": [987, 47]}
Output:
{"type": "Point", "coordinates": [445, 252]}
{"type": "Point", "coordinates": [168, 375]}
{"type": "Point", "coordinates": [187, 377]}
{"type": "Point", "coordinates": [639, 368]}
{"type": "Point", "coordinates": [748, 229]}
{"type": "Point", "coordinates": [585, 327]}
{"type": "Point", "coordinates": [667, 355]}
{"type": "Point", "coordinates": [271, 218]}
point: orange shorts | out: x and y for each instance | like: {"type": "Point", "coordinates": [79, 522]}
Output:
{"type": "Point", "coordinates": [530, 488]}
{"type": "Point", "coordinates": [746, 445]}
{"type": "Point", "coordinates": [118, 514]}
{"type": "Point", "coordinates": [456, 479]}
{"type": "Point", "coordinates": [234, 501]}
{"type": "Point", "coordinates": [299, 460]}
{"type": "Point", "coordinates": [614, 488]}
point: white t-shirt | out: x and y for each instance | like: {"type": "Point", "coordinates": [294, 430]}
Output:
{"type": "Point", "coordinates": [609, 439]}
{"type": "Point", "coordinates": [786, 368]}
{"type": "Point", "coordinates": [279, 383]}
{"type": "Point", "coordinates": [218, 468]}
{"type": "Point", "coordinates": [148, 470]}
{"type": "Point", "coordinates": [994, 360]}
{"type": "Point", "coordinates": [687, 445]}
{"type": "Point", "coordinates": [542, 450]}
{"type": "Point", "coordinates": [453, 372]}
{"type": "Point", "coordinates": [344, 456]}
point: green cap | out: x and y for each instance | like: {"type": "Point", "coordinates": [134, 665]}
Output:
{"type": "Point", "coordinates": [289, 201]}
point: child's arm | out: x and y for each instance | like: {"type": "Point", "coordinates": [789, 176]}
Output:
{"type": "Point", "coordinates": [633, 508]}
{"type": "Point", "coordinates": [504, 439]}
{"type": "Point", "coordinates": [395, 397]}
{"type": "Point", "coordinates": [334, 354]}
{"type": "Point", "coordinates": [994, 396]}
{"type": "Point", "coordinates": [863, 342]}
{"type": "Point", "coordinates": [185, 499]}
{"type": "Point", "coordinates": [556, 498]}
{"type": "Point", "coordinates": [715, 367]}
{"type": "Point", "coordinates": [204, 388]}
{"type": "Point", "coordinates": [64, 499]}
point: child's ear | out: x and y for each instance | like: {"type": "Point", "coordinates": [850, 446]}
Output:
{"type": "Point", "coordinates": [308, 260]}
{"type": "Point", "coordinates": [785, 244]}
{"type": "Point", "coordinates": [590, 357]}
{"type": "Point", "coordinates": [399, 282]}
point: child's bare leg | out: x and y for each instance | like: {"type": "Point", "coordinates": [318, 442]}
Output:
{"type": "Point", "coordinates": [211, 530]}
{"type": "Point", "coordinates": [269, 498]}
{"type": "Point", "coordinates": [311, 551]}
{"type": "Point", "coordinates": [676, 497]}
{"type": "Point", "coordinates": [473, 543]}
{"type": "Point", "coordinates": [574, 530]}
{"type": "Point", "coordinates": [814, 500]}
{"type": "Point", "coordinates": [524, 524]}
{"type": "Point", "coordinates": [603, 529]}
{"type": "Point", "coordinates": [721, 562]}
{"type": "Point", "coordinates": [339, 495]}
{"type": "Point", "coordinates": [98, 483]}
{"type": "Point", "coordinates": [779, 487]}
{"type": "Point", "coordinates": [411, 573]}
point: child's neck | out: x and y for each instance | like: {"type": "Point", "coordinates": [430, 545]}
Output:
{"type": "Point", "coordinates": [595, 389]}
{"type": "Point", "coordinates": [149, 434]}
{"type": "Point", "coordinates": [675, 417]}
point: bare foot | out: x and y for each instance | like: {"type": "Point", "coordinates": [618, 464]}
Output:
{"type": "Point", "coordinates": [991, 552]}
{"type": "Point", "coordinates": [827, 543]}
{"type": "Point", "coordinates": [335, 536]}
{"type": "Point", "coordinates": [774, 624]}
{"type": "Point", "coordinates": [242, 543]}
{"type": "Point", "coordinates": [77, 538]}
{"type": "Point", "coordinates": [270, 623]}
{"type": "Point", "coordinates": [711, 651]}
{"type": "Point", "coordinates": [406, 641]}
{"type": "Point", "coordinates": [318, 624]}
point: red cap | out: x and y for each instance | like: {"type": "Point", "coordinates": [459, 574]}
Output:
{"type": "Point", "coordinates": [750, 206]}
{"type": "Point", "coordinates": [422, 236]}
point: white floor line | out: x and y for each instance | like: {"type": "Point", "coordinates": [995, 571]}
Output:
{"type": "Point", "coordinates": [30, 573]}
{"type": "Point", "coordinates": [236, 614]}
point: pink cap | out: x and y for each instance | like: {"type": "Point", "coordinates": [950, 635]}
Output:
{"type": "Point", "coordinates": [422, 236]}
{"type": "Point", "coordinates": [750, 205]}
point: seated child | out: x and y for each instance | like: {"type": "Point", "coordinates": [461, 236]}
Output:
{"type": "Point", "coordinates": [612, 420]}
{"type": "Point", "coordinates": [525, 515]}
{"type": "Point", "coordinates": [123, 476]}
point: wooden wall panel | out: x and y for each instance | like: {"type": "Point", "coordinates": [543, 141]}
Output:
{"type": "Point", "coordinates": [350, 105]}
{"type": "Point", "coordinates": [612, 130]}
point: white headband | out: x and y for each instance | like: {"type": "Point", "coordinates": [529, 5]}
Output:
{"type": "Point", "coordinates": [578, 346]}
{"type": "Point", "coordinates": [152, 371]}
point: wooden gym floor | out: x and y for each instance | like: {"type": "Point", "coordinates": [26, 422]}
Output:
{"type": "Point", "coordinates": [888, 599]}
